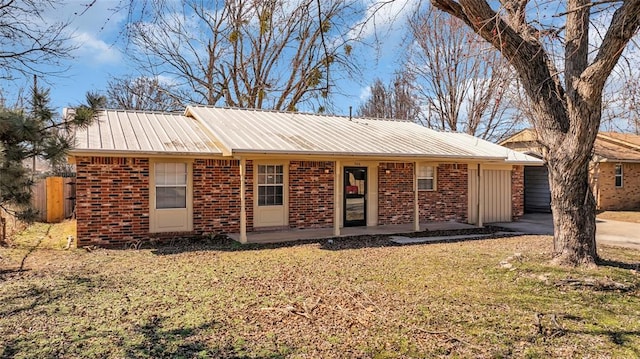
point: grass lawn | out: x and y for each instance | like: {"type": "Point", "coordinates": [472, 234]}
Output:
{"type": "Point", "coordinates": [476, 299]}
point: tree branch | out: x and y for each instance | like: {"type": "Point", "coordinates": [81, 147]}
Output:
{"type": "Point", "coordinates": [624, 25]}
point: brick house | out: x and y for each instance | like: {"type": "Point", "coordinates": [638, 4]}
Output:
{"type": "Point", "coordinates": [221, 170]}
{"type": "Point", "coordinates": [614, 171]}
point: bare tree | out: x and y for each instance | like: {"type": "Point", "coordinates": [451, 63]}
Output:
{"type": "Point", "coordinates": [621, 99]}
{"type": "Point", "coordinates": [141, 93]}
{"type": "Point", "coordinates": [565, 93]}
{"type": "Point", "coordinates": [28, 40]}
{"type": "Point", "coordinates": [393, 101]}
{"type": "Point", "coordinates": [253, 54]}
{"type": "Point", "coordinates": [463, 83]}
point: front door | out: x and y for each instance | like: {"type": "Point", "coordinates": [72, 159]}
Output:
{"type": "Point", "coordinates": [355, 196]}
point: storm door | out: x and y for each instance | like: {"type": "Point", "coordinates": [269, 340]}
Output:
{"type": "Point", "coordinates": [355, 196]}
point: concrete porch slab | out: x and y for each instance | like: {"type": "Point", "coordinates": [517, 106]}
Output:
{"type": "Point", "coordinates": [308, 234]}
{"type": "Point", "coordinates": [409, 240]}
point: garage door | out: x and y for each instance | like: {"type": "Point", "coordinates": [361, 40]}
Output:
{"type": "Point", "coordinates": [537, 196]}
{"type": "Point", "coordinates": [496, 206]}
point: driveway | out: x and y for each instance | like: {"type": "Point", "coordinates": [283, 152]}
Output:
{"type": "Point", "coordinates": [615, 233]}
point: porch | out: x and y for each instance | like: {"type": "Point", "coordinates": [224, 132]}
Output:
{"type": "Point", "coordinates": [288, 235]}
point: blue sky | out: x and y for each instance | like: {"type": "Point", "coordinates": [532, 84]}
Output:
{"type": "Point", "coordinates": [97, 32]}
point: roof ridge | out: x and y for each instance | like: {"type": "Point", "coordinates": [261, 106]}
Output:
{"type": "Point", "coordinates": [180, 113]}
{"type": "Point", "coordinates": [297, 113]}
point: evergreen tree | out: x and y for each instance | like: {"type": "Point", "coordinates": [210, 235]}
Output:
{"type": "Point", "coordinates": [25, 135]}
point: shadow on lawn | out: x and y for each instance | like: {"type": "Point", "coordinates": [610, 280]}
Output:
{"type": "Point", "coordinates": [156, 342]}
{"type": "Point", "coordinates": [621, 338]}
{"type": "Point", "coordinates": [618, 264]}
{"type": "Point", "coordinates": [186, 342]}
{"type": "Point", "coordinates": [332, 244]}
{"type": "Point", "coordinates": [37, 296]}
{"type": "Point", "coordinates": [29, 299]}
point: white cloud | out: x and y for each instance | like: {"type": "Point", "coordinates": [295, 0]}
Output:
{"type": "Point", "coordinates": [94, 27]}
{"type": "Point", "coordinates": [365, 93]}
{"type": "Point", "coordinates": [382, 18]}
{"type": "Point", "coordinates": [96, 51]}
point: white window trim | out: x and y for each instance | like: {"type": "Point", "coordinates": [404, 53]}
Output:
{"type": "Point", "coordinates": [433, 178]}
{"type": "Point", "coordinates": [154, 221]}
{"type": "Point", "coordinates": [185, 186]}
{"type": "Point", "coordinates": [616, 175]}
{"type": "Point", "coordinates": [258, 211]}
{"type": "Point", "coordinates": [282, 184]}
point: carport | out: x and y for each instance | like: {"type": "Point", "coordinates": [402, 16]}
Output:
{"type": "Point", "coordinates": [537, 195]}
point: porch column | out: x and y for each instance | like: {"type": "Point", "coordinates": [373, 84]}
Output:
{"type": "Point", "coordinates": [243, 202]}
{"type": "Point", "coordinates": [416, 204]}
{"type": "Point", "coordinates": [336, 199]}
{"type": "Point", "coordinates": [480, 196]}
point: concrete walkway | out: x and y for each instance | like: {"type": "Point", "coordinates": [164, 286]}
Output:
{"type": "Point", "coordinates": [288, 235]}
{"type": "Point", "coordinates": [531, 223]}
{"type": "Point", "coordinates": [616, 233]}
{"type": "Point", "coordinates": [622, 234]}
{"type": "Point", "coordinates": [608, 232]}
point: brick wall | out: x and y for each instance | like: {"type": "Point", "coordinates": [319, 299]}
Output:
{"type": "Point", "coordinates": [517, 192]}
{"type": "Point", "coordinates": [112, 197]}
{"type": "Point", "coordinates": [608, 196]}
{"type": "Point", "coordinates": [395, 193]}
{"type": "Point", "coordinates": [311, 194]}
{"type": "Point", "coordinates": [216, 196]}
{"type": "Point", "coordinates": [450, 199]}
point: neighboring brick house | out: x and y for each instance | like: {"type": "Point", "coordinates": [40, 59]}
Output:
{"type": "Point", "coordinates": [614, 171]}
{"type": "Point", "coordinates": [219, 170]}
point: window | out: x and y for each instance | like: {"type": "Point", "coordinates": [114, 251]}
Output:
{"type": "Point", "coordinates": [171, 185]}
{"type": "Point", "coordinates": [618, 175]}
{"type": "Point", "coordinates": [426, 178]}
{"type": "Point", "coordinates": [270, 185]}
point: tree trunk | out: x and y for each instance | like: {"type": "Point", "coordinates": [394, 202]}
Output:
{"type": "Point", "coordinates": [573, 207]}
{"type": "Point", "coordinates": [572, 200]}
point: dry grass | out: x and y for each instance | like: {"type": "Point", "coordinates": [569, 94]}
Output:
{"type": "Point", "coordinates": [44, 235]}
{"type": "Point", "coordinates": [355, 299]}
{"type": "Point", "coordinates": [12, 225]}
{"type": "Point", "coordinates": [623, 216]}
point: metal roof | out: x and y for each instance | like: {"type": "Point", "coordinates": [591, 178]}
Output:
{"type": "Point", "coordinates": [213, 131]}
{"type": "Point", "coordinates": [259, 131]}
{"type": "Point", "coordinates": [117, 131]}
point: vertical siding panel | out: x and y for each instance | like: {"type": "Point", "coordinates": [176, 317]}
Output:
{"type": "Point", "coordinates": [495, 183]}
{"type": "Point", "coordinates": [486, 196]}
{"type": "Point", "coordinates": [509, 211]}
{"type": "Point", "coordinates": [489, 198]}
{"type": "Point", "coordinates": [496, 187]}
{"type": "Point", "coordinates": [497, 195]}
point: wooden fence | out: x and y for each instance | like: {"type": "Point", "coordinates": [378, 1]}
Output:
{"type": "Point", "coordinates": [54, 198]}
